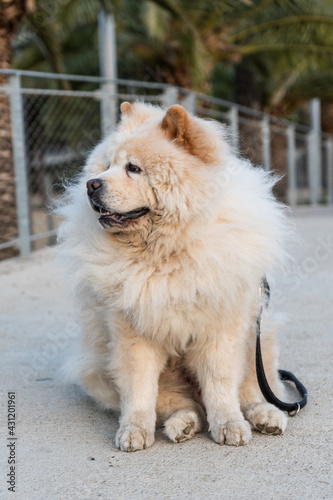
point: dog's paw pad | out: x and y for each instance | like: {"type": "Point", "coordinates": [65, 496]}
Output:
{"type": "Point", "coordinates": [273, 430]}
{"type": "Point", "coordinates": [182, 425]}
{"type": "Point", "coordinates": [133, 438]}
{"type": "Point", "coordinates": [237, 433]}
{"type": "Point", "coordinates": [266, 418]}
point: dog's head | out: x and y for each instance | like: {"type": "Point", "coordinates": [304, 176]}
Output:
{"type": "Point", "coordinates": [156, 165]}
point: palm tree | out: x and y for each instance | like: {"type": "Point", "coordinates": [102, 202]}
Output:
{"type": "Point", "coordinates": [60, 37]}
{"type": "Point", "coordinates": [181, 41]}
{"type": "Point", "coordinates": [11, 13]}
{"type": "Point", "coordinates": [280, 42]}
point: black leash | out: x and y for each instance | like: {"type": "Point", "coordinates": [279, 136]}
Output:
{"type": "Point", "coordinates": [291, 408]}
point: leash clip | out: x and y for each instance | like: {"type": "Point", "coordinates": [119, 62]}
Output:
{"type": "Point", "coordinates": [260, 306]}
{"type": "Point", "coordinates": [295, 412]}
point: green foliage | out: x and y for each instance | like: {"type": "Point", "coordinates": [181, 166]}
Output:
{"type": "Point", "coordinates": [222, 82]}
{"type": "Point", "coordinates": [191, 43]}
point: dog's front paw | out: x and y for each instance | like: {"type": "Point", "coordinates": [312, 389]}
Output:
{"type": "Point", "coordinates": [132, 438]}
{"type": "Point", "coordinates": [235, 433]}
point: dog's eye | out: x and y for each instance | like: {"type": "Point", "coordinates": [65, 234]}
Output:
{"type": "Point", "coordinates": [133, 168]}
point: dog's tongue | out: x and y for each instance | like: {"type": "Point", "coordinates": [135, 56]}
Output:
{"type": "Point", "coordinates": [107, 215]}
{"type": "Point", "coordinates": [112, 218]}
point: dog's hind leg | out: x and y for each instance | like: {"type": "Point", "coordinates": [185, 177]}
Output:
{"type": "Point", "coordinates": [176, 409]}
{"type": "Point", "coordinates": [88, 367]}
{"type": "Point", "coordinates": [263, 416]}
{"type": "Point", "coordinates": [100, 387]}
{"type": "Point", "coordinates": [184, 423]}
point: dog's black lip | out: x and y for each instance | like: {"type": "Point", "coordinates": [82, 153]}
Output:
{"type": "Point", "coordinates": [96, 207]}
{"type": "Point", "coordinates": [108, 218]}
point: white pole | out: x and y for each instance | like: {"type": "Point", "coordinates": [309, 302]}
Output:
{"type": "Point", "coordinates": [329, 163]}
{"type": "Point", "coordinates": [315, 147]}
{"type": "Point", "coordinates": [169, 97]}
{"type": "Point", "coordinates": [108, 69]}
{"type": "Point", "coordinates": [291, 162]}
{"type": "Point", "coordinates": [266, 142]}
{"type": "Point", "coordinates": [20, 166]}
{"type": "Point", "coordinates": [234, 125]}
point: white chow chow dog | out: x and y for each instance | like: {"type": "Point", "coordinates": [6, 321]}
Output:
{"type": "Point", "coordinates": [167, 235]}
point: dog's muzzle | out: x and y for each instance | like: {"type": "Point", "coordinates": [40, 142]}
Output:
{"type": "Point", "coordinates": [95, 188]}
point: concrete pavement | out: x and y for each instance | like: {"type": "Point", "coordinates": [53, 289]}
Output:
{"type": "Point", "coordinates": [64, 447]}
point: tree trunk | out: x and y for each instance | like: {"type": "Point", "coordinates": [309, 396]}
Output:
{"type": "Point", "coordinates": [11, 13]}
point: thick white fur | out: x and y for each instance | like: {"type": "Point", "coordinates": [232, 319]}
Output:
{"type": "Point", "coordinates": [177, 289]}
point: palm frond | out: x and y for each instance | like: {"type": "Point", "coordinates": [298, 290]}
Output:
{"type": "Point", "coordinates": [156, 20]}
{"type": "Point", "coordinates": [295, 21]}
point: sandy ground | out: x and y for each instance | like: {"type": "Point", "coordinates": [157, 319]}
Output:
{"type": "Point", "coordinates": [65, 447]}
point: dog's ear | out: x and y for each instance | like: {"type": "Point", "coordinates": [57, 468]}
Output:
{"type": "Point", "coordinates": [175, 123]}
{"type": "Point", "coordinates": [196, 137]}
{"type": "Point", "coordinates": [126, 108]}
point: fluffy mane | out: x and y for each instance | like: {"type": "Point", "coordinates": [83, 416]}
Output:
{"type": "Point", "coordinates": [214, 228]}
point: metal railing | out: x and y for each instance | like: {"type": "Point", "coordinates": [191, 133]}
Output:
{"type": "Point", "coordinates": [52, 130]}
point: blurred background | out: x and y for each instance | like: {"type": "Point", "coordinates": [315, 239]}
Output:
{"type": "Point", "coordinates": [264, 67]}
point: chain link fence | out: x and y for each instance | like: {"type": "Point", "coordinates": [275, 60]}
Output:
{"type": "Point", "coordinates": [60, 128]}
{"type": "Point", "coordinates": [46, 134]}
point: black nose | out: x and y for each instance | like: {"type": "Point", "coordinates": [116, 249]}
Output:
{"type": "Point", "coordinates": [93, 185]}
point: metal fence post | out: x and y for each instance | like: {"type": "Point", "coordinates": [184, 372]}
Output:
{"type": "Point", "coordinates": [169, 97]}
{"type": "Point", "coordinates": [108, 120]}
{"type": "Point", "coordinates": [266, 142]}
{"type": "Point", "coordinates": [20, 169]}
{"type": "Point", "coordinates": [189, 102]}
{"type": "Point", "coordinates": [108, 68]}
{"type": "Point", "coordinates": [291, 162]}
{"type": "Point", "coordinates": [234, 125]}
{"type": "Point", "coordinates": [329, 166]}
{"type": "Point", "coordinates": [315, 154]}
{"type": "Point", "coordinates": [312, 154]}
